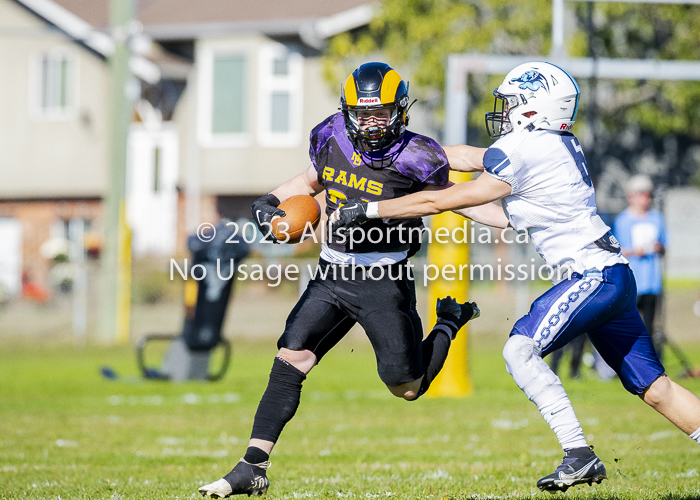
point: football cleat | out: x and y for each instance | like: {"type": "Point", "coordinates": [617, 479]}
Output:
{"type": "Point", "coordinates": [244, 479]}
{"type": "Point", "coordinates": [454, 315]}
{"type": "Point", "coordinates": [580, 465]}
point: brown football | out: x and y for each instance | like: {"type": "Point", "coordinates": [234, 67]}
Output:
{"type": "Point", "coordinates": [302, 211]}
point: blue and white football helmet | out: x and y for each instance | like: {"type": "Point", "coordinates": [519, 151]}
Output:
{"type": "Point", "coordinates": [534, 96]}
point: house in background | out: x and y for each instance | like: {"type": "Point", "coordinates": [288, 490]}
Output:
{"type": "Point", "coordinates": [225, 96]}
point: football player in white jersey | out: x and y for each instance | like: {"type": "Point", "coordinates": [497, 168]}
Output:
{"type": "Point", "coordinates": [539, 173]}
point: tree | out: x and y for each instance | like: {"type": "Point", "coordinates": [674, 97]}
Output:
{"type": "Point", "coordinates": [419, 34]}
{"type": "Point", "coordinates": [633, 119]}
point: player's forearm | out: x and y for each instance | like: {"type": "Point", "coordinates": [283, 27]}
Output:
{"type": "Point", "coordinates": [431, 202]}
{"type": "Point", "coordinates": [465, 158]}
{"type": "Point", "coordinates": [489, 214]}
{"type": "Point", "coordinates": [411, 206]}
{"type": "Point", "coordinates": [467, 194]}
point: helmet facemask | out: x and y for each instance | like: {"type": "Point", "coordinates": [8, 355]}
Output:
{"type": "Point", "coordinates": [379, 135]}
{"type": "Point", "coordinates": [498, 122]}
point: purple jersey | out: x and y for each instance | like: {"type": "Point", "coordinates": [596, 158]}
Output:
{"type": "Point", "coordinates": [410, 165]}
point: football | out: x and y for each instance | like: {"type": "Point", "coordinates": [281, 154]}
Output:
{"type": "Point", "coordinates": [302, 211]}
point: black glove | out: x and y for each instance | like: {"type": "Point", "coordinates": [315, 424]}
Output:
{"type": "Point", "coordinates": [264, 210]}
{"type": "Point", "coordinates": [351, 213]}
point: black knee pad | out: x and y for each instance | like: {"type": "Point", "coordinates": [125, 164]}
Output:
{"type": "Point", "coordinates": [279, 402]}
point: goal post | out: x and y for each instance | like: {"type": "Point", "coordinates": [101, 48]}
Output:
{"type": "Point", "coordinates": [454, 380]}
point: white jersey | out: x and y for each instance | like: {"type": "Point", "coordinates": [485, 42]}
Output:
{"type": "Point", "coordinates": [552, 197]}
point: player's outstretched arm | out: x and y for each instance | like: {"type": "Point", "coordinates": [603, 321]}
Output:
{"type": "Point", "coordinates": [465, 158]}
{"type": "Point", "coordinates": [427, 202]}
{"type": "Point", "coordinates": [489, 214]}
{"type": "Point", "coordinates": [467, 194]}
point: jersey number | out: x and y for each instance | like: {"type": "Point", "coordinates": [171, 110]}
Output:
{"type": "Point", "coordinates": [576, 153]}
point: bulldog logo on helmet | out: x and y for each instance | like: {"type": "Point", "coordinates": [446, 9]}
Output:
{"type": "Point", "coordinates": [531, 80]}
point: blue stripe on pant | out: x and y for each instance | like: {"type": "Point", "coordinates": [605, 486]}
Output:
{"type": "Point", "coordinates": [605, 309]}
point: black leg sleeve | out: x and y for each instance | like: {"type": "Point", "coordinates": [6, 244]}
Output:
{"type": "Point", "coordinates": [279, 402]}
{"type": "Point", "coordinates": [436, 346]}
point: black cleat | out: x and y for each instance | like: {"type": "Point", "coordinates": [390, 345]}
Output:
{"type": "Point", "coordinates": [454, 315]}
{"type": "Point", "coordinates": [244, 479]}
{"type": "Point", "coordinates": [579, 466]}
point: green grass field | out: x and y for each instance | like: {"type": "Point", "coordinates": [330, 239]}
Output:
{"type": "Point", "coordinates": [67, 433]}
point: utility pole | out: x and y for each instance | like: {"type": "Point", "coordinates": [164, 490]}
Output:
{"type": "Point", "coordinates": [594, 167]}
{"type": "Point", "coordinates": [116, 257]}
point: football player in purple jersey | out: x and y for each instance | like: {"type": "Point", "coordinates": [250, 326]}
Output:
{"type": "Point", "coordinates": [362, 152]}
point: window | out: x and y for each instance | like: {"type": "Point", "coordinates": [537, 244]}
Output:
{"type": "Point", "coordinates": [223, 95]}
{"type": "Point", "coordinates": [281, 65]}
{"type": "Point", "coordinates": [228, 112]}
{"type": "Point", "coordinates": [280, 99]}
{"type": "Point", "coordinates": [56, 94]}
{"type": "Point", "coordinates": [279, 119]}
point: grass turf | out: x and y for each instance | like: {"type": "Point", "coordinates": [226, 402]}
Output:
{"type": "Point", "coordinates": [65, 432]}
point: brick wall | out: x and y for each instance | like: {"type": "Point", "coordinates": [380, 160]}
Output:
{"type": "Point", "coordinates": [37, 217]}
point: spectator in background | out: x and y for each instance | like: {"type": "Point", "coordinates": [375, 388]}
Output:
{"type": "Point", "coordinates": [576, 347]}
{"type": "Point", "coordinates": [642, 235]}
